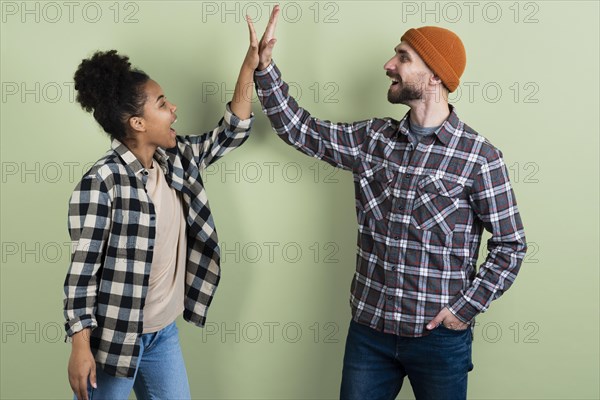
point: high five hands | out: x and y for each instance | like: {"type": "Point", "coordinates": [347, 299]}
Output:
{"type": "Point", "coordinates": [257, 56]}
{"type": "Point", "coordinates": [260, 53]}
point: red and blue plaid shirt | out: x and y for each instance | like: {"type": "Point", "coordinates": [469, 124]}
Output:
{"type": "Point", "coordinates": [421, 212]}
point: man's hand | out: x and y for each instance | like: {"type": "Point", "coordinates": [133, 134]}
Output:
{"type": "Point", "coordinates": [267, 42]}
{"type": "Point", "coordinates": [449, 320]}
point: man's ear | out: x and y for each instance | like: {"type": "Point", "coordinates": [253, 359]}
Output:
{"type": "Point", "coordinates": [137, 124]}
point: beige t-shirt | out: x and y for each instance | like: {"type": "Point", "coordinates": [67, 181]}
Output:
{"type": "Point", "coordinates": [165, 297]}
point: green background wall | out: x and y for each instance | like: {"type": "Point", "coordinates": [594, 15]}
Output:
{"type": "Point", "coordinates": [287, 225]}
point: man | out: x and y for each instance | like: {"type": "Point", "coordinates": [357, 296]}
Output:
{"type": "Point", "coordinates": [426, 187]}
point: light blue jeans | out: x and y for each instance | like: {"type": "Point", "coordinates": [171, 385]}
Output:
{"type": "Point", "coordinates": [160, 372]}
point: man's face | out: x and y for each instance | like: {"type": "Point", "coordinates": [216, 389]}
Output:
{"type": "Point", "coordinates": [409, 75]}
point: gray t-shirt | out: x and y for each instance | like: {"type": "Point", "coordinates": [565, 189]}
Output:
{"type": "Point", "coordinates": [416, 133]}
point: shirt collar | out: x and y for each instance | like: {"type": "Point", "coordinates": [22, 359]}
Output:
{"type": "Point", "coordinates": [444, 133]}
{"type": "Point", "coordinates": [131, 160]}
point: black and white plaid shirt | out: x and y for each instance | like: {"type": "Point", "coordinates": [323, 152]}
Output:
{"type": "Point", "coordinates": [421, 212]}
{"type": "Point", "coordinates": [112, 224]}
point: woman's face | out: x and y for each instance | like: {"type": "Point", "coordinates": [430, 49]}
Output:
{"type": "Point", "coordinates": [159, 115]}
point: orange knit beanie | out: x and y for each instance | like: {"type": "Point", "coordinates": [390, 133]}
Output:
{"type": "Point", "coordinates": [442, 51]}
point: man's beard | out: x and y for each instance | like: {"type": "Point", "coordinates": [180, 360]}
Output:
{"type": "Point", "coordinates": [406, 94]}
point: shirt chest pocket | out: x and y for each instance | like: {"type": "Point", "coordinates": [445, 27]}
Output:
{"type": "Point", "coordinates": [373, 187]}
{"type": "Point", "coordinates": [128, 226]}
{"type": "Point", "coordinates": [436, 204]}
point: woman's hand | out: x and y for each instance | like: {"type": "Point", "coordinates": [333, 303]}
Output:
{"type": "Point", "coordinates": [241, 103]}
{"type": "Point", "coordinates": [81, 364]}
{"type": "Point", "coordinates": [252, 58]}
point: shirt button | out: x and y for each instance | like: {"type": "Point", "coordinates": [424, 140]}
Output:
{"type": "Point", "coordinates": [396, 237]}
{"type": "Point", "coordinates": [150, 247]}
{"type": "Point", "coordinates": [393, 268]}
{"type": "Point", "coordinates": [152, 218]}
{"type": "Point", "coordinates": [390, 297]}
{"type": "Point", "coordinates": [145, 172]}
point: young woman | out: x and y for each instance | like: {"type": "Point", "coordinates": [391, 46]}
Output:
{"type": "Point", "coordinates": [144, 245]}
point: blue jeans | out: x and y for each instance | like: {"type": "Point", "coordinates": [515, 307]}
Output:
{"type": "Point", "coordinates": [376, 363]}
{"type": "Point", "coordinates": [160, 372]}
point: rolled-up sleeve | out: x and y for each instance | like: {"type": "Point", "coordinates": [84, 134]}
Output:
{"type": "Point", "coordinates": [230, 133]}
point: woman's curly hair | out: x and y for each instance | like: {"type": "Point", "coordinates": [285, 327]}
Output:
{"type": "Point", "coordinates": [107, 85]}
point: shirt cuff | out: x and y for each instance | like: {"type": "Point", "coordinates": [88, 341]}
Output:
{"type": "Point", "coordinates": [462, 309]}
{"type": "Point", "coordinates": [265, 71]}
{"type": "Point", "coordinates": [267, 77]}
{"type": "Point", "coordinates": [79, 323]}
{"type": "Point", "coordinates": [236, 124]}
